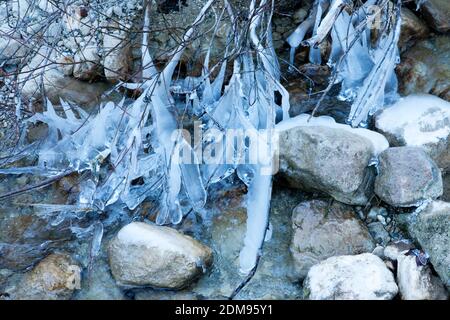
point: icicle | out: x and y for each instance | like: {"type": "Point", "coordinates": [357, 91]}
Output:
{"type": "Point", "coordinates": [327, 22]}
{"type": "Point", "coordinates": [371, 95]}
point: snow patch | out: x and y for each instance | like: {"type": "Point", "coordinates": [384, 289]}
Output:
{"type": "Point", "coordinates": [418, 118]}
{"type": "Point", "coordinates": [378, 141]}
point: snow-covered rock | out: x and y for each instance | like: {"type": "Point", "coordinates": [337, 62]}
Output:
{"type": "Point", "coordinates": [320, 154]}
{"type": "Point", "coordinates": [431, 229]}
{"type": "Point", "coordinates": [148, 255]}
{"type": "Point", "coordinates": [419, 121]}
{"type": "Point", "coordinates": [417, 282]}
{"type": "Point", "coordinates": [407, 176]}
{"type": "Point", "coordinates": [322, 231]}
{"type": "Point", "coordinates": [359, 277]}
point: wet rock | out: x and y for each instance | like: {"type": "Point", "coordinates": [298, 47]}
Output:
{"type": "Point", "coordinates": [359, 277]}
{"type": "Point", "coordinates": [430, 228]}
{"type": "Point", "coordinates": [427, 125]}
{"type": "Point", "coordinates": [407, 176]}
{"type": "Point", "coordinates": [322, 230]}
{"type": "Point", "coordinates": [54, 278]}
{"type": "Point", "coordinates": [437, 14]}
{"type": "Point", "coordinates": [87, 64]}
{"type": "Point", "coordinates": [424, 68]}
{"type": "Point", "coordinates": [148, 255]}
{"type": "Point", "coordinates": [330, 158]}
{"type": "Point", "coordinates": [417, 282]}
{"type": "Point", "coordinates": [412, 28]}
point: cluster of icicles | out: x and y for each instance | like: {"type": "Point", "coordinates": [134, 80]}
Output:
{"type": "Point", "coordinates": [136, 139]}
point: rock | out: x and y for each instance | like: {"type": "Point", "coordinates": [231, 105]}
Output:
{"type": "Point", "coordinates": [87, 64]}
{"type": "Point", "coordinates": [38, 73]}
{"type": "Point", "coordinates": [412, 28]}
{"type": "Point", "coordinates": [437, 14]}
{"type": "Point", "coordinates": [54, 278]}
{"type": "Point", "coordinates": [321, 155]}
{"type": "Point", "coordinates": [424, 68]}
{"type": "Point", "coordinates": [66, 65]}
{"type": "Point", "coordinates": [117, 56]}
{"type": "Point", "coordinates": [396, 249]}
{"type": "Point", "coordinates": [407, 176]}
{"type": "Point", "coordinates": [12, 50]}
{"type": "Point", "coordinates": [359, 277]}
{"type": "Point", "coordinates": [417, 282]}
{"type": "Point", "coordinates": [379, 233]}
{"type": "Point", "coordinates": [148, 255]}
{"type": "Point", "coordinates": [431, 229]}
{"type": "Point", "coordinates": [427, 125]}
{"type": "Point", "coordinates": [322, 230]}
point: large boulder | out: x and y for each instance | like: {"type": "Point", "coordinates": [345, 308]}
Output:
{"type": "Point", "coordinates": [418, 121]}
{"type": "Point", "coordinates": [424, 68]}
{"type": "Point", "coordinates": [430, 228]}
{"type": "Point", "coordinates": [322, 230]}
{"type": "Point", "coordinates": [416, 282]}
{"type": "Point", "coordinates": [437, 14]}
{"type": "Point", "coordinates": [319, 154]}
{"type": "Point", "coordinates": [54, 278]}
{"type": "Point", "coordinates": [148, 255]}
{"type": "Point", "coordinates": [407, 176]}
{"type": "Point", "coordinates": [360, 277]}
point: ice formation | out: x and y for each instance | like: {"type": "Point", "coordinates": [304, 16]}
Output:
{"type": "Point", "coordinates": [131, 151]}
{"type": "Point", "coordinates": [364, 67]}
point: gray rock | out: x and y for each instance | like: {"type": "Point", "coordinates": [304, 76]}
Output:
{"type": "Point", "coordinates": [54, 278]}
{"type": "Point", "coordinates": [437, 14]}
{"type": "Point", "coordinates": [379, 233]}
{"type": "Point", "coordinates": [327, 159]}
{"type": "Point", "coordinates": [359, 277]}
{"type": "Point", "coordinates": [417, 282]}
{"type": "Point", "coordinates": [431, 229]}
{"type": "Point", "coordinates": [322, 230]}
{"type": "Point", "coordinates": [407, 176]}
{"type": "Point", "coordinates": [148, 255]}
{"type": "Point", "coordinates": [396, 249]}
